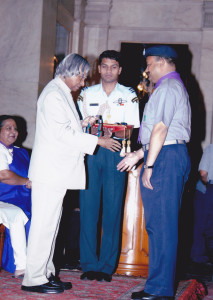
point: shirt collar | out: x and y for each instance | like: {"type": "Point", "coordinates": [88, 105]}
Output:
{"type": "Point", "coordinates": [171, 75]}
{"type": "Point", "coordinates": [101, 86]}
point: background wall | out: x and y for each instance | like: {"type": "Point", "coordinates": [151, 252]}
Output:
{"type": "Point", "coordinates": [27, 49]}
{"type": "Point", "coordinates": [28, 37]}
{"type": "Point", "coordinates": [189, 22]}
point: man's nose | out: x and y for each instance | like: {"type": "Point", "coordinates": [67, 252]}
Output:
{"type": "Point", "coordinates": [109, 70]}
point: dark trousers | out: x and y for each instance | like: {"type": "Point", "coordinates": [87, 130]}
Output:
{"type": "Point", "coordinates": [67, 248]}
{"type": "Point", "coordinates": [161, 208]}
{"type": "Point", "coordinates": [202, 247]}
{"type": "Point", "coordinates": [103, 178]}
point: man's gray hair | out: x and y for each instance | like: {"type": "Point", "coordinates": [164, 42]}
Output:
{"type": "Point", "coordinates": [71, 65]}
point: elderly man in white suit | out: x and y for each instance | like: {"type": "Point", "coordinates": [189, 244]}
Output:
{"type": "Point", "coordinates": [57, 164]}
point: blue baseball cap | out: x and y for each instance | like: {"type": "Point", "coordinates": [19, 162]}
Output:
{"type": "Point", "coordinates": [162, 51]}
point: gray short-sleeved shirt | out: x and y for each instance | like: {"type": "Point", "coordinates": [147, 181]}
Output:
{"type": "Point", "coordinates": [169, 103]}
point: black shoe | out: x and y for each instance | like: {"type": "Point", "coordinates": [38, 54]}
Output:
{"type": "Point", "coordinates": [90, 275]}
{"type": "Point", "coordinates": [46, 288]}
{"type": "Point", "coordinates": [56, 281]}
{"type": "Point", "coordinates": [200, 271]}
{"type": "Point", "coordinates": [101, 276]}
{"type": "Point", "coordinates": [141, 295]}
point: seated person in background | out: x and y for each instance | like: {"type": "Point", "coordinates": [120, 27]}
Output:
{"type": "Point", "coordinates": [15, 197]}
{"type": "Point", "coordinates": [202, 247]}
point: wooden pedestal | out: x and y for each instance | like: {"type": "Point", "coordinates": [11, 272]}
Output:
{"type": "Point", "coordinates": [2, 232]}
{"type": "Point", "coordinates": [134, 258]}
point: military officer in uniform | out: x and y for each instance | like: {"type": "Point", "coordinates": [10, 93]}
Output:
{"type": "Point", "coordinates": [164, 132]}
{"type": "Point", "coordinates": [116, 104]}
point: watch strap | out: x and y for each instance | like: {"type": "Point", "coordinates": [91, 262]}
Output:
{"type": "Point", "coordinates": [148, 167]}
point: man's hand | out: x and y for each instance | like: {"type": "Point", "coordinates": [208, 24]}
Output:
{"type": "Point", "coordinates": [147, 174]}
{"type": "Point", "coordinates": [107, 132]}
{"type": "Point", "coordinates": [28, 184]}
{"type": "Point", "coordinates": [203, 176]}
{"type": "Point", "coordinates": [109, 143]}
{"type": "Point", "coordinates": [88, 120]}
{"type": "Point", "coordinates": [128, 162]}
{"type": "Point", "coordinates": [94, 130]}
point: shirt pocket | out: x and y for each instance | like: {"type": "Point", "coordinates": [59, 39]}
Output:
{"type": "Point", "coordinates": [118, 114]}
{"type": "Point", "coordinates": [148, 115]}
{"type": "Point", "coordinates": [93, 108]}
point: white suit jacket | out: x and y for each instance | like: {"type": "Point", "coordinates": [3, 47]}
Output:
{"type": "Point", "coordinates": [60, 144]}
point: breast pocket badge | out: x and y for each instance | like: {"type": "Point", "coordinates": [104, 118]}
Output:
{"type": "Point", "coordinates": [120, 102]}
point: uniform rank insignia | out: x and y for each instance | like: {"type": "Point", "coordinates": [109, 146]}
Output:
{"type": "Point", "coordinates": [120, 102]}
{"type": "Point", "coordinates": [135, 99]}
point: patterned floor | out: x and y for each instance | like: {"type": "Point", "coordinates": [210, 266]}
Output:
{"type": "Point", "coordinates": [210, 291]}
{"type": "Point", "coordinates": [120, 288]}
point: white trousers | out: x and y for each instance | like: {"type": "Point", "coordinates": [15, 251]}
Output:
{"type": "Point", "coordinates": [46, 214]}
{"type": "Point", "coordinates": [15, 219]}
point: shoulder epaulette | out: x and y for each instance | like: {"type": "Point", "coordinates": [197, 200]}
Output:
{"type": "Point", "coordinates": [80, 98]}
{"type": "Point", "coordinates": [135, 99]}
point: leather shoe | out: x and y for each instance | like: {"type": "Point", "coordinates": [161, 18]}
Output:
{"type": "Point", "coordinates": [46, 288]}
{"type": "Point", "coordinates": [56, 281]}
{"type": "Point", "coordinates": [101, 276]}
{"type": "Point", "coordinates": [141, 295]}
{"type": "Point", "coordinates": [90, 275]}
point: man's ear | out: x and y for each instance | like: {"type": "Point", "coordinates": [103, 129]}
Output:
{"type": "Point", "coordinates": [120, 69]}
{"type": "Point", "coordinates": [162, 61]}
{"type": "Point", "coordinates": [99, 69]}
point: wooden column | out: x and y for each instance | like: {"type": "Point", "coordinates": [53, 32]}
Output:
{"type": "Point", "coordinates": [134, 258]}
{"type": "Point", "coordinates": [2, 232]}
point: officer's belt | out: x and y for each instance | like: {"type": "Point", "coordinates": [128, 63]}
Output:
{"type": "Point", "coordinates": [146, 147]}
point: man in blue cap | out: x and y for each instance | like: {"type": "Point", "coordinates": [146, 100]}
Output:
{"type": "Point", "coordinates": [164, 132]}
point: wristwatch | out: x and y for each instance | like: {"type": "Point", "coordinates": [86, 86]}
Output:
{"type": "Point", "coordinates": [148, 167]}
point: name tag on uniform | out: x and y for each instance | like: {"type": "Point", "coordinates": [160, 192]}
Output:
{"type": "Point", "coordinates": [94, 104]}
